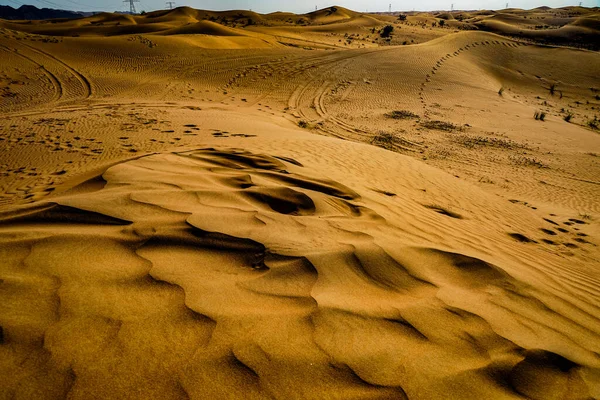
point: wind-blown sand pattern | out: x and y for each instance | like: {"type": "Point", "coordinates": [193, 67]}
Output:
{"type": "Point", "coordinates": [167, 230]}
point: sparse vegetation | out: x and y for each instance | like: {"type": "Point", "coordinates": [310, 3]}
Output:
{"type": "Point", "coordinates": [472, 142]}
{"type": "Point", "coordinates": [384, 140]}
{"type": "Point", "coordinates": [501, 91]}
{"type": "Point", "coordinates": [303, 124]}
{"type": "Point", "coordinates": [386, 32]}
{"type": "Point", "coordinates": [391, 141]}
{"type": "Point", "coordinates": [568, 117]}
{"type": "Point", "coordinates": [527, 161]}
{"type": "Point", "coordinates": [401, 114]}
{"type": "Point", "coordinates": [539, 115]}
{"type": "Point", "coordinates": [594, 123]}
{"type": "Point", "coordinates": [440, 126]}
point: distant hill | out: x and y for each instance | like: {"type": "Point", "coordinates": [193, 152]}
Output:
{"type": "Point", "coordinates": [26, 12]}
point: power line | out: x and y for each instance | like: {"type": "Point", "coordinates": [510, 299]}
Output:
{"type": "Point", "coordinates": [61, 6]}
{"type": "Point", "coordinates": [170, 4]}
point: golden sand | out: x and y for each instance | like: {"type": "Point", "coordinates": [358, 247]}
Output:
{"type": "Point", "coordinates": [240, 206]}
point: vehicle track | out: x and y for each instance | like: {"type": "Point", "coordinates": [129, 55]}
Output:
{"type": "Point", "coordinates": [440, 63]}
{"type": "Point", "coordinates": [85, 82]}
{"type": "Point", "coordinates": [58, 88]}
{"type": "Point", "coordinates": [316, 98]}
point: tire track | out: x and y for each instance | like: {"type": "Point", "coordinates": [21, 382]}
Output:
{"type": "Point", "coordinates": [84, 81]}
{"type": "Point", "coordinates": [317, 99]}
{"type": "Point", "coordinates": [58, 88]}
{"type": "Point", "coordinates": [440, 63]}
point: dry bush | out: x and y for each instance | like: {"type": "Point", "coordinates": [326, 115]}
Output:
{"type": "Point", "coordinates": [440, 126]}
{"type": "Point", "coordinates": [401, 114]}
{"type": "Point", "coordinates": [391, 141]}
{"type": "Point", "coordinates": [472, 142]}
{"type": "Point", "coordinates": [527, 162]}
{"type": "Point", "coordinates": [539, 115]}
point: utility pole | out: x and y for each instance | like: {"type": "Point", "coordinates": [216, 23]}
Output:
{"type": "Point", "coordinates": [170, 4]}
{"type": "Point", "coordinates": [390, 8]}
{"type": "Point", "coordinates": [506, 5]}
{"type": "Point", "coordinates": [452, 7]}
{"type": "Point", "coordinates": [131, 5]}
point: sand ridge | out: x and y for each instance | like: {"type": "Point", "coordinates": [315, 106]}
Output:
{"type": "Point", "coordinates": [262, 266]}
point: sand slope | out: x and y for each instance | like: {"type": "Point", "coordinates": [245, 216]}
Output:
{"type": "Point", "coordinates": [233, 273]}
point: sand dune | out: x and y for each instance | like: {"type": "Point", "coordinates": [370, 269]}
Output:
{"type": "Point", "coordinates": [227, 205]}
{"type": "Point", "coordinates": [237, 264]}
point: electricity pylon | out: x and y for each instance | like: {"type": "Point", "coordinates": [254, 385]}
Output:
{"type": "Point", "coordinates": [170, 4]}
{"type": "Point", "coordinates": [131, 5]}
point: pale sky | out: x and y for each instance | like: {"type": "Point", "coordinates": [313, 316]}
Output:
{"type": "Point", "coordinates": [266, 6]}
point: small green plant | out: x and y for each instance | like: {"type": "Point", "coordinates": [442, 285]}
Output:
{"type": "Point", "coordinates": [539, 115]}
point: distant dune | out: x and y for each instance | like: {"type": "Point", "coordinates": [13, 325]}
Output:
{"type": "Point", "coordinates": [230, 205]}
{"type": "Point", "coordinates": [570, 26]}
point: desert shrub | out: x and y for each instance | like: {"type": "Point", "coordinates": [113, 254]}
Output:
{"type": "Point", "coordinates": [472, 142]}
{"type": "Point", "coordinates": [385, 140]}
{"type": "Point", "coordinates": [386, 31]}
{"type": "Point", "coordinates": [539, 115]}
{"type": "Point", "coordinates": [391, 141]}
{"type": "Point", "coordinates": [594, 123]}
{"type": "Point", "coordinates": [501, 91]}
{"type": "Point", "coordinates": [303, 124]}
{"type": "Point", "coordinates": [401, 114]}
{"type": "Point", "coordinates": [442, 23]}
{"type": "Point", "coordinates": [568, 117]}
{"type": "Point", "coordinates": [527, 162]}
{"type": "Point", "coordinates": [402, 17]}
{"type": "Point", "coordinates": [440, 125]}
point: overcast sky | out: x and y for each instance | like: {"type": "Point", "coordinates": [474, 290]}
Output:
{"type": "Point", "coordinates": [266, 6]}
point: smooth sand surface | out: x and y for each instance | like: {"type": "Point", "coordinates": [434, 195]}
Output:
{"type": "Point", "coordinates": [197, 206]}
